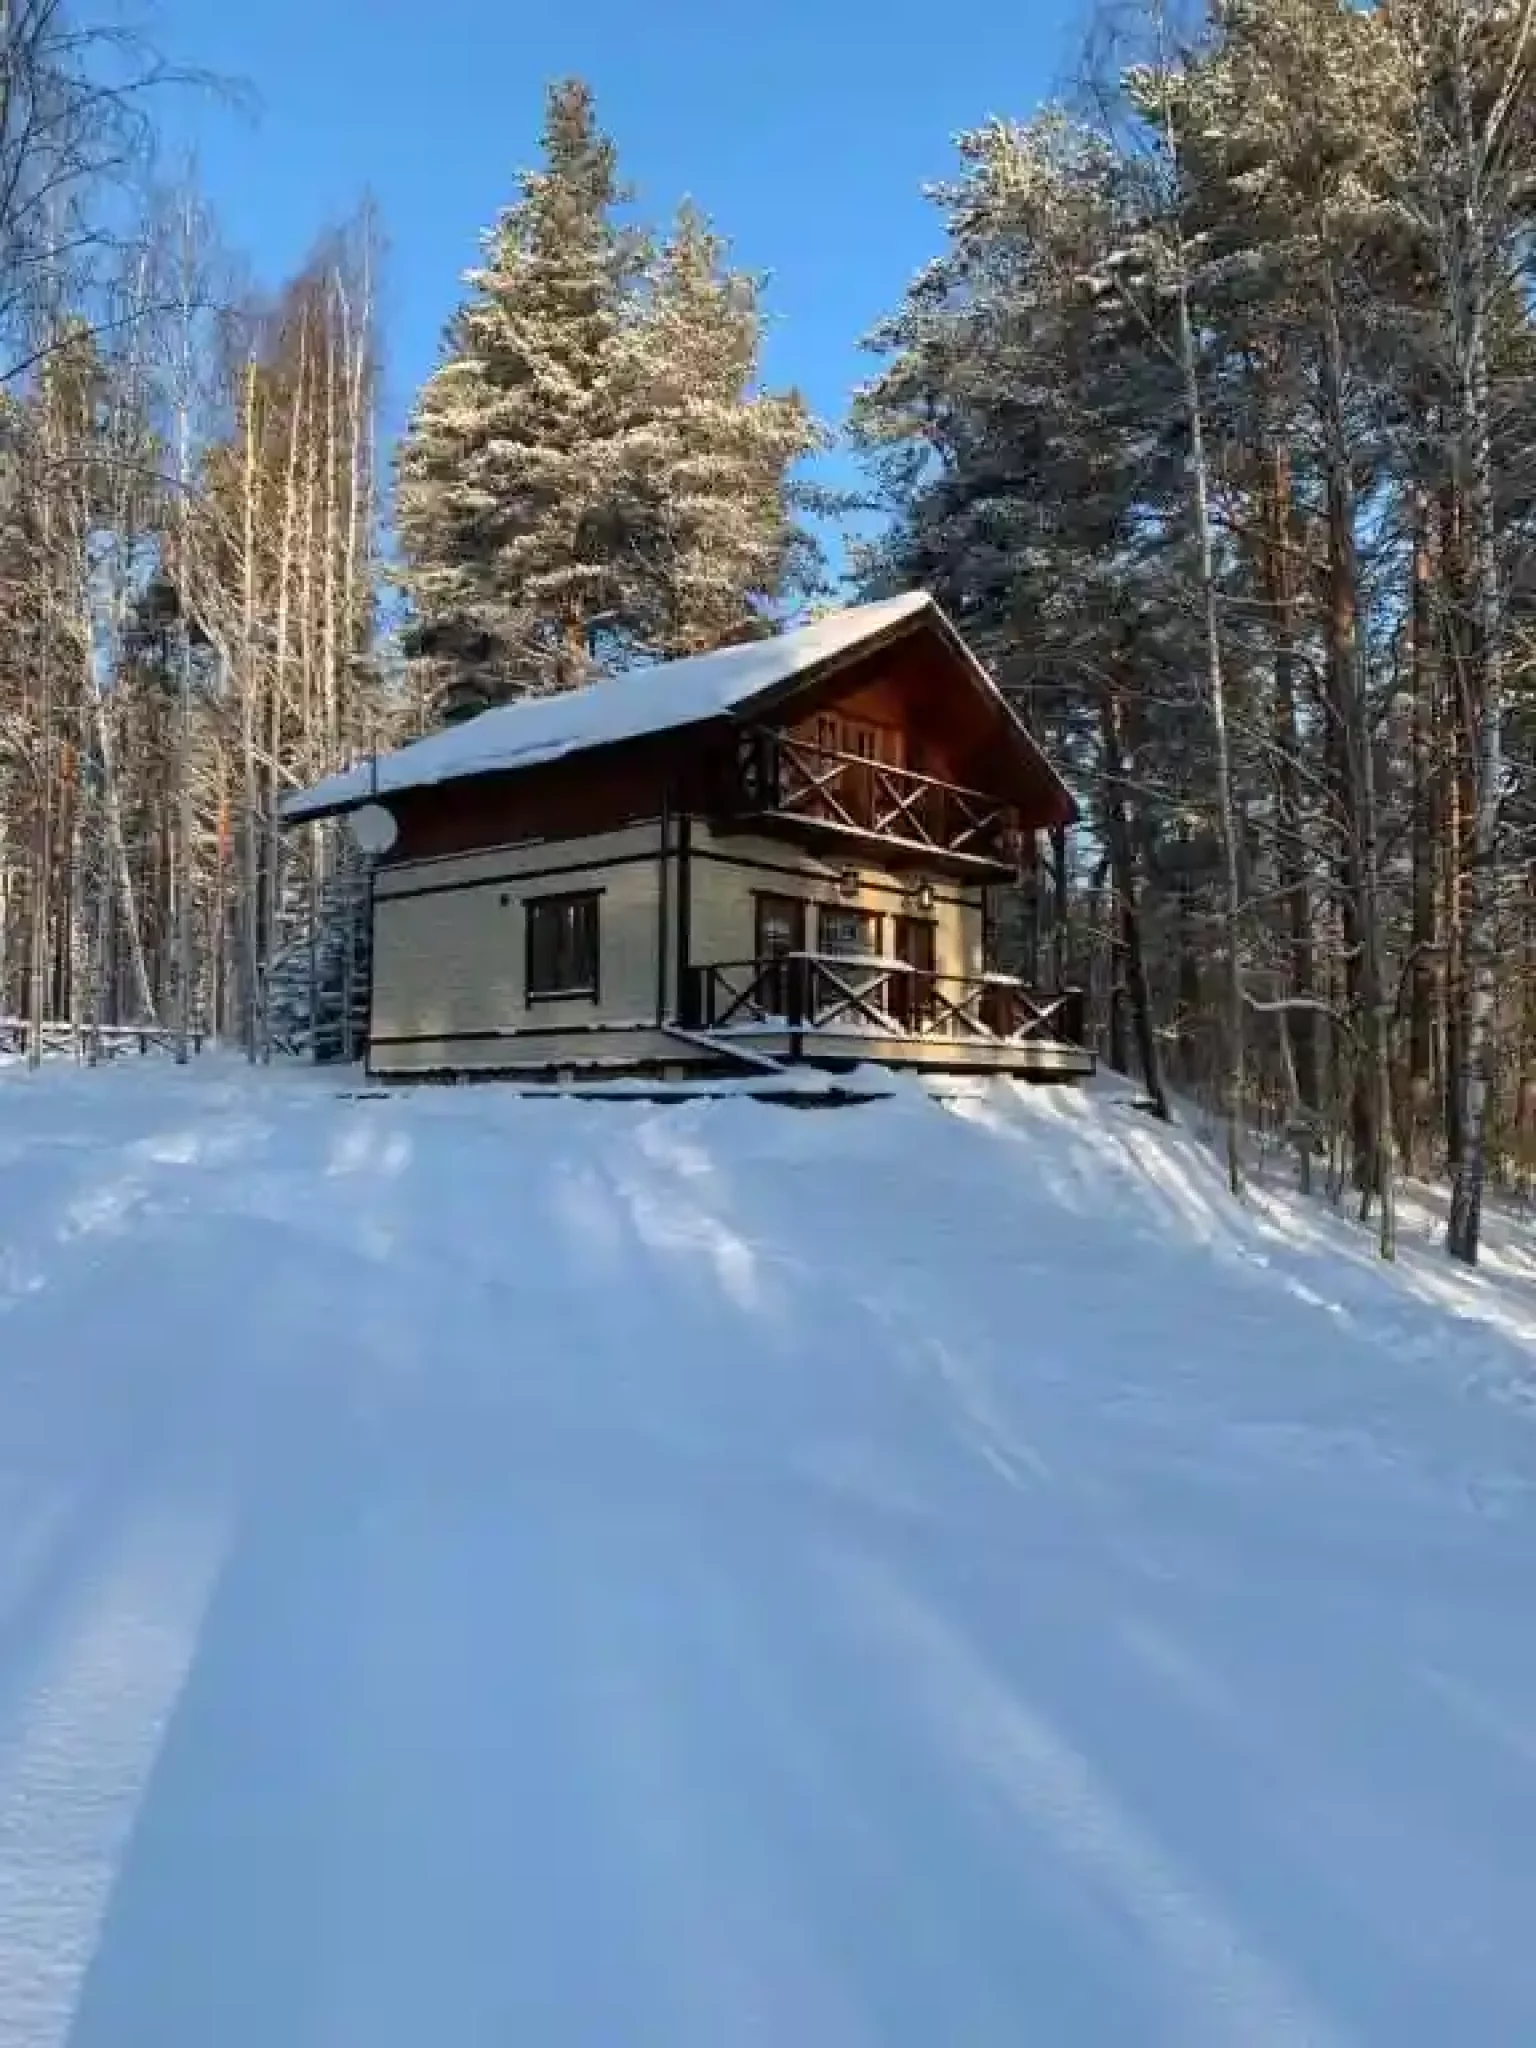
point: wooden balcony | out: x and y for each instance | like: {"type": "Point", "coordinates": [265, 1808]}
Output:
{"type": "Point", "coordinates": [838, 1007]}
{"type": "Point", "coordinates": [786, 782]}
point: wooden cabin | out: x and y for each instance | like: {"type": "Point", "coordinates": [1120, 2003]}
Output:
{"type": "Point", "coordinates": [778, 852]}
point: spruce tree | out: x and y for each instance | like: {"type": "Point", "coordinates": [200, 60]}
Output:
{"type": "Point", "coordinates": [593, 475]}
{"type": "Point", "coordinates": [711, 457]}
{"type": "Point", "coordinates": [512, 473]}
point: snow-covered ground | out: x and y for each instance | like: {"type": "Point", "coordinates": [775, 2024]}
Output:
{"type": "Point", "coordinates": [478, 1572]}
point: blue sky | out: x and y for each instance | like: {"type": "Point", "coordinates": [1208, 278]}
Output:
{"type": "Point", "coordinates": [805, 128]}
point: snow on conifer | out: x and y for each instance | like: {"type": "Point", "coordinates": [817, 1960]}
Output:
{"type": "Point", "coordinates": [591, 475]}
{"type": "Point", "coordinates": [712, 461]}
{"type": "Point", "coordinates": [510, 494]}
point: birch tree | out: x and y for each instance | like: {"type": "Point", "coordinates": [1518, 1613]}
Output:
{"type": "Point", "coordinates": [1472, 71]}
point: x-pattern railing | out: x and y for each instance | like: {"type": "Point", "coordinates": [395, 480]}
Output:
{"type": "Point", "coordinates": [845, 991]}
{"type": "Point", "coordinates": [819, 991]}
{"type": "Point", "coordinates": [825, 785]}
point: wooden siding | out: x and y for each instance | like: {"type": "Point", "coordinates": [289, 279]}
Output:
{"type": "Point", "coordinates": [949, 729]}
{"type": "Point", "coordinates": [450, 939]}
{"type": "Point", "coordinates": [729, 870]}
{"type": "Point", "coordinates": [564, 800]}
{"type": "Point", "coordinates": [913, 688]}
{"type": "Point", "coordinates": [449, 942]}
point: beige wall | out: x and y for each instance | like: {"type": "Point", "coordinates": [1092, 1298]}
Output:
{"type": "Point", "coordinates": [450, 942]}
{"type": "Point", "coordinates": [724, 890]}
{"type": "Point", "coordinates": [452, 961]}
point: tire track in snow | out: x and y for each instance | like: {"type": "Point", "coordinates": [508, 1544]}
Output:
{"type": "Point", "coordinates": [76, 1755]}
{"type": "Point", "coordinates": [947, 1721]}
{"type": "Point", "coordinates": [1226, 1994]}
{"type": "Point", "coordinates": [709, 1838]}
{"type": "Point", "coordinates": [845, 1841]}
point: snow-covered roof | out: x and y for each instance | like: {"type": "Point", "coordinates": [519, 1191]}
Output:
{"type": "Point", "coordinates": [534, 730]}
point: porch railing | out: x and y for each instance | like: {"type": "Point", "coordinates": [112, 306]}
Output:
{"type": "Point", "coordinates": [788, 777]}
{"type": "Point", "coordinates": [888, 998]}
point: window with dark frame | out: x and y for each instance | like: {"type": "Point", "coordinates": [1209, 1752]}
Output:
{"type": "Point", "coordinates": [563, 946]}
{"type": "Point", "coordinates": [861, 738]}
{"type": "Point", "coordinates": [841, 931]}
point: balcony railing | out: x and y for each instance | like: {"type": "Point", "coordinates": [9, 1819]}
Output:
{"type": "Point", "coordinates": [785, 777]}
{"type": "Point", "coordinates": [868, 995]}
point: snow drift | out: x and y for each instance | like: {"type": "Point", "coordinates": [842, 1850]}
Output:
{"type": "Point", "coordinates": [483, 1571]}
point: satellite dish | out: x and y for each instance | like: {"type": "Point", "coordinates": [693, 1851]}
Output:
{"type": "Point", "coordinates": [374, 828]}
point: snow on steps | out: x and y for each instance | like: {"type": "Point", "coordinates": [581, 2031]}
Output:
{"type": "Point", "coordinates": [663, 1576]}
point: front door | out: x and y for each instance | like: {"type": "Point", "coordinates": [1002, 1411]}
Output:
{"type": "Point", "coordinates": [780, 931]}
{"type": "Point", "coordinates": [916, 943]}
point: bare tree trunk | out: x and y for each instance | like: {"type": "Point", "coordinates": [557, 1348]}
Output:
{"type": "Point", "coordinates": [1425, 930]}
{"type": "Point", "coordinates": [311, 655]}
{"type": "Point", "coordinates": [250, 940]}
{"type": "Point", "coordinates": [1122, 862]}
{"type": "Point", "coordinates": [1301, 1043]}
{"type": "Point", "coordinates": [185, 817]}
{"type": "Point", "coordinates": [112, 806]}
{"type": "Point", "coordinates": [1216, 694]}
{"type": "Point", "coordinates": [1453, 807]}
{"type": "Point", "coordinates": [43, 866]}
{"type": "Point", "coordinates": [37, 978]}
{"type": "Point", "coordinates": [330, 632]}
{"type": "Point", "coordinates": [1361, 821]}
{"type": "Point", "coordinates": [1215, 673]}
{"type": "Point", "coordinates": [1465, 1222]}
{"type": "Point", "coordinates": [273, 876]}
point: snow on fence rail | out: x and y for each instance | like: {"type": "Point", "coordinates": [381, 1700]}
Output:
{"type": "Point", "coordinates": [86, 1041]}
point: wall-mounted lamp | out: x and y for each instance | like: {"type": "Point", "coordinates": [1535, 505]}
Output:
{"type": "Point", "coordinates": [921, 894]}
{"type": "Point", "coordinates": [848, 882]}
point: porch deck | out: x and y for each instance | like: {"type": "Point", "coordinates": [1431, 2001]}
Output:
{"type": "Point", "coordinates": [840, 1009]}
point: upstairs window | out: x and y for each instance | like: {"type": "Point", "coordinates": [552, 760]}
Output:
{"type": "Point", "coordinates": [861, 738]}
{"type": "Point", "coordinates": [563, 946]}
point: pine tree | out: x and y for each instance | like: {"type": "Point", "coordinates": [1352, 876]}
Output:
{"type": "Point", "coordinates": [1011, 420]}
{"type": "Point", "coordinates": [512, 473]}
{"type": "Point", "coordinates": [1340, 195]}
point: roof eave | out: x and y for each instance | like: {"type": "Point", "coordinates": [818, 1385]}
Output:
{"type": "Point", "coordinates": [746, 709]}
{"type": "Point", "coordinates": [1068, 804]}
{"type": "Point", "coordinates": [486, 772]}
{"type": "Point", "coordinates": [929, 615]}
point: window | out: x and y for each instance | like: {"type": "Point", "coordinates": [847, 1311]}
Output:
{"type": "Point", "coordinates": [562, 946]}
{"type": "Point", "coordinates": [842, 932]}
{"type": "Point", "coordinates": [860, 737]}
